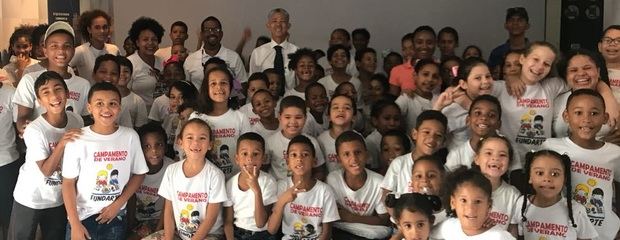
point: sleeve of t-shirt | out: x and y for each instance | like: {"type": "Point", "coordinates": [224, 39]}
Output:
{"type": "Point", "coordinates": [585, 229]}
{"type": "Point", "coordinates": [394, 80]}
{"type": "Point", "coordinates": [138, 165]}
{"type": "Point", "coordinates": [240, 69]}
{"type": "Point", "coordinates": [555, 86]}
{"type": "Point", "coordinates": [164, 187]}
{"type": "Point", "coordinates": [71, 160]}
{"type": "Point", "coordinates": [24, 94]}
{"type": "Point", "coordinates": [217, 188]}
{"type": "Point", "coordinates": [154, 113]}
{"type": "Point", "coordinates": [401, 101]}
{"type": "Point", "coordinates": [516, 216]}
{"type": "Point", "coordinates": [229, 186]}
{"type": "Point", "coordinates": [331, 208]}
{"type": "Point", "coordinates": [37, 150]}
{"type": "Point", "coordinates": [391, 175]}
{"type": "Point", "coordinates": [245, 123]}
{"type": "Point", "coordinates": [270, 192]}
{"type": "Point", "coordinates": [253, 62]}
{"type": "Point", "coordinates": [76, 59]}
{"type": "Point", "coordinates": [320, 158]}
{"type": "Point", "coordinates": [141, 113]}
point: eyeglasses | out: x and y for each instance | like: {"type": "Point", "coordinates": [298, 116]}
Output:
{"type": "Point", "coordinates": [212, 30]}
{"type": "Point", "coordinates": [609, 41]}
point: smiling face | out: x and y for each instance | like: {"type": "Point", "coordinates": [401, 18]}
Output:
{"type": "Point", "coordinates": [547, 176]}
{"type": "Point", "coordinates": [414, 225]}
{"type": "Point", "coordinates": [22, 47]}
{"type": "Point", "coordinates": [428, 137]}
{"type": "Point", "coordinates": [212, 33]}
{"type": "Point", "coordinates": [153, 147]}
{"type": "Point", "coordinates": [352, 156]}
{"type": "Point", "coordinates": [219, 86]}
{"type": "Point", "coordinates": [263, 104]}
{"type": "Point", "coordinates": [472, 206]}
{"type": "Point", "coordinates": [304, 71]}
{"type": "Point", "coordinates": [59, 50]}
{"type": "Point", "coordinates": [292, 120]}
{"type": "Point", "coordinates": [300, 159]}
{"type": "Point", "coordinates": [195, 141]}
{"type": "Point", "coordinates": [426, 178]}
{"type": "Point", "coordinates": [483, 119]}
{"type": "Point", "coordinates": [107, 72]}
{"type": "Point", "coordinates": [493, 158]}
{"type": "Point", "coordinates": [339, 37]}
{"type": "Point", "coordinates": [254, 86]}
{"type": "Point", "coordinates": [250, 155]}
{"type": "Point", "coordinates": [278, 25]}
{"type": "Point", "coordinates": [99, 29]}
{"type": "Point", "coordinates": [341, 111]}
{"type": "Point", "coordinates": [536, 65]}
{"type": "Point", "coordinates": [585, 115]}
{"type": "Point", "coordinates": [124, 76]}
{"type": "Point", "coordinates": [104, 106]}
{"type": "Point", "coordinates": [479, 81]}
{"type": "Point", "coordinates": [427, 79]}
{"type": "Point", "coordinates": [339, 59]}
{"type": "Point", "coordinates": [316, 100]}
{"type": "Point", "coordinates": [610, 50]}
{"type": "Point", "coordinates": [52, 96]}
{"type": "Point", "coordinates": [147, 43]}
{"type": "Point", "coordinates": [368, 62]}
{"type": "Point", "coordinates": [582, 72]}
{"type": "Point", "coordinates": [176, 99]}
{"type": "Point", "coordinates": [424, 45]}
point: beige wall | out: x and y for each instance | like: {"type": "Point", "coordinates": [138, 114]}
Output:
{"type": "Point", "coordinates": [14, 13]}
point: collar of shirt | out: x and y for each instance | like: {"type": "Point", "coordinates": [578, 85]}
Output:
{"type": "Point", "coordinates": [285, 44]}
{"type": "Point", "coordinates": [206, 56]}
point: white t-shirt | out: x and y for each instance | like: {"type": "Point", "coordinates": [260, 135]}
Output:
{"type": "Point", "coordinates": [8, 147]}
{"type": "Point", "coordinates": [76, 102]}
{"type": "Point", "coordinates": [276, 146]}
{"type": "Point", "coordinates": [85, 56]}
{"type": "Point", "coordinates": [365, 201]}
{"type": "Point", "coordinates": [102, 165]}
{"type": "Point", "coordinates": [33, 189]}
{"type": "Point", "coordinates": [593, 173]}
{"type": "Point", "coordinates": [410, 108]}
{"type": "Point", "coordinates": [552, 222]}
{"type": "Point", "coordinates": [11, 70]}
{"type": "Point", "coordinates": [160, 108]}
{"type": "Point", "coordinates": [373, 144]}
{"type": "Point", "coordinates": [252, 117]}
{"type": "Point", "coordinates": [328, 147]}
{"type": "Point", "coordinates": [504, 199]}
{"type": "Point", "coordinates": [526, 121]}
{"type": "Point", "coordinates": [451, 229]}
{"type": "Point", "coordinates": [614, 82]}
{"type": "Point", "coordinates": [464, 155]}
{"type": "Point", "coordinates": [194, 71]}
{"type": "Point", "coordinates": [312, 127]}
{"type": "Point", "coordinates": [331, 85]}
{"type": "Point", "coordinates": [164, 53]}
{"type": "Point", "coordinates": [262, 58]}
{"type": "Point", "coordinates": [133, 106]}
{"type": "Point", "coordinates": [262, 131]}
{"type": "Point", "coordinates": [351, 67]}
{"type": "Point", "coordinates": [226, 128]}
{"type": "Point", "coordinates": [303, 218]}
{"type": "Point", "coordinates": [397, 179]}
{"type": "Point", "coordinates": [242, 202]}
{"type": "Point", "coordinates": [293, 92]}
{"type": "Point", "coordinates": [148, 203]}
{"type": "Point", "coordinates": [191, 196]}
{"type": "Point", "coordinates": [143, 80]}
{"type": "Point", "coordinates": [560, 127]}
{"type": "Point", "coordinates": [457, 126]}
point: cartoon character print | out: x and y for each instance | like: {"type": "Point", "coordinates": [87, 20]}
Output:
{"type": "Point", "coordinates": [531, 130]}
{"type": "Point", "coordinates": [304, 230]}
{"type": "Point", "coordinates": [222, 159]}
{"type": "Point", "coordinates": [591, 198]}
{"type": "Point", "coordinates": [146, 206]}
{"type": "Point", "coordinates": [594, 207]}
{"type": "Point", "coordinates": [55, 179]}
{"type": "Point", "coordinates": [107, 183]}
{"type": "Point", "coordinates": [189, 220]}
{"type": "Point", "coordinates": [581, 193]}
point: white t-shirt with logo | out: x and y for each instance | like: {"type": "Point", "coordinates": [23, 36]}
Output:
{"type": "Point", "coordinates": [225, 128]}
{"type": "Point", "coordinates": [560, 127]}
{"type": "Point", "coordinates": [397, 179]}
{"type": "Point", "coordinates": [262, 131]}
{"type": "Point", "coordinates": [84, 58]}
{"type": "Point", "coordinates": [593, 172]}
{"type": "Point", "coordinates": [134, 108]}
{"type": "Point", "coordinates": [160, 108]}
{"type": "Point", "coordinates": [191, 196]}
{"type": "Point", "coordinates": [242, 202]}
{"type": "Point", "coordinates": [276, 147]}
{"type": "Point", "coordinates": [457, 126]}
{"type": "Point", "coordinates": [410, 108]}
{"type": "Point", "coordinates": [148, 203]}
{"type": "Point", "coordinates": [8, 147]}
{"type": "Point", "coordinates": [293, 92]}
{"type": "Point", "coordinates": [102, 165]}
{"type": "Point", "coordinates": [246, 109]}
{"type": "Point", "coordinates": [451, 229]}
{"type": "Point", "coordinates": [76, 101]}
{"type": "Point", "coordinates": [33, 189]}
{"type": "Point", "coordinates": [365, 201]}
{"type": "Point", "coordinates": [328, 147]}
{"type": "Point", "coordinates": [502, 210]}
{"type": "Point", "coordinates": [553, 223]}
{"type": "Point", "coordinates": [464, 155]}
{"type": "Point", "coordinates": [303, 218]}
{"type": "Point", "coordinates": [614, 82]}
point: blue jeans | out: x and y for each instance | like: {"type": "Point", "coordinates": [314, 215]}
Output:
{"type": "Point", "coordinates": [112, 231]}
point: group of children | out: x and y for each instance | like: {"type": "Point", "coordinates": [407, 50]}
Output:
{"type": "Point", "coordinates": [306, 152]}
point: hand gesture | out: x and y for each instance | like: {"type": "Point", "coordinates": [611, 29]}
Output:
{"type": "Point", "coordinates": [291, 193]}
{"type": "Point", "coordinates": [252, 179]}
{"type": "Point", "coordinates": [515, 86]}
{"type": "Point", "coordinates": [444, 99]}
{"type": "Point", "coordinates": [247, 33]}
{"type": "Point", "coordinates": [22, 61]}
{"type": "Point", "coordinates": [22, 128]}
{"type": "Point", "coordinates": [70, 136]}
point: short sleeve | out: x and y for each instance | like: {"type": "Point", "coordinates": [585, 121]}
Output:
{"type": "Point", "coordinates": [391, 175]}
{"type": "Point", "coordinates": [217, 189]}
{"type": "Point", "coordinates": [164, 187]}
{"type": "Point", "coordinates": [555, 86]}
{"type": "Point", "coordinates": [155, 113]}
{"type": "Point", "coordinates": [141, 113]}
{"type": "Point", "coordinates": [229, 188]}
{"type": "Point", "coordinates": [24, 93]}
{"type": "Point", "coordinates": [37, 149]}
{"type": "Point", "coordinates": [394, 77]}
{"type": "Point", "coordinates": [71, 160]}
{"type": "Point", "coordinates": [138, 164]}
{"type": "Point", "coordinates": [516, 216]}
{"type": "Point", "coordinates": [270, 193]}
{"type": "Point", "coordinates": [585, 229]}
{"type": "Point", "coordinates": [331, 209]}
{"type": "Point", "coordinates": [320, 158]}
{"type": "Point", "coordinates": [401, 101]}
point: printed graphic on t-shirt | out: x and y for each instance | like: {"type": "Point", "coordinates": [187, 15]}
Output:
{"type": "Point", "coordinates": [614, 82]}
{"type": "Point", "coordinates": [302, 227]}
{"type": "Point", "coordinates": [189, 220]}
{"type": "Point", "coordinates": [54, 180]}
{"type": "Point", "coordinates": [222, 157]}
{"type": "Point", "coordinates": [531, 131]}
{"type": "Point", "coordinates": [496, 218]}
{"type": "Point", "coordinates": [254, 120]}
{"type": "Point", "coordinates": [357, 207]}
{"type": "Point", "coordinates": [106, 187]}
{"type": "Point", "coordinates": [588, 193]}
{"type": "Point", "coordinates": [546, 229]}
{"type": "Point", "coordinates": [145, 204]}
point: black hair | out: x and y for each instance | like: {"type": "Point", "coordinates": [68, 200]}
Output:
{"type": "Point", "coordinates": [187, 89]}
{"type": "Point", "coordinates": [252, 136]}
{"type": "Point", "coordinates": [467, 65]}
{"type": "Point", "coordinates": [199, 121]}
{"type": "Point", "coordinates": [145, 23]}
{"type": "Point", "coordinates": [281, 79]}
{"type": "Point", "coordinates": [566, 163]}
{"type": "Point", "coordinates": [511, 152]}
{"type": "Point", "coordinates": [595, 57]}
{"type": "Point", "coordinates": [450, 78]}
{"type": "Point", "coordinates": [38, 32]}
{"type": "Point", "coordinates": [449, 30]}
{"type": "Point", "coordinates": [586, 92]}
{"type": "Point", "coordinates": [205, 100]}
{"type": "Point", "coordinates": [474, 47]}
{"type": "Point", "coordinates": [611, 27]}
{"type": "Point", "coordinates": [123, 61]}
{"type": "Point", "coordinates": [407, 37]}
{"type": "Point", "coordinates": [339, 88]}
{"type": "Point", "coordinates": [215, 60]}
{"type": "Point", "coordinates": [103, 86]}
{"type": "Point", "coordinates": [179, 24]}
{"type": "Point", "coordinates": [258, 76]}
{"type": "Point", "coordinates": [104, 58]}
{"type": "Point", "coordinates": [210, 18]}
{"type": "Point", "coordinates": [393, 54]}
{"type": "Point", "coordinates": [293, 101]}
{"type": "Point", "coordinates": [154, 128]}
{"type": "Point", "coordinates": [344, 32]}
{"type": "Point", "coordinates": [86, 19]}
{"type": "Point", "coordinates": [21, 32]}
{"type": "Point", "coordinates": [424, 28]}
{"type": "Point", "coordinates": [361, 31]}
{"type": "Point", "coordinates": [46, 77]}
{"type": "Point", "coordinates": [503, 62]}
{"type": "Point", "coordinates": [297, 55]}
{"type": "Point", "coordinates": [379, 106]}
{"type": "Point", "coordinates": [435, 160]}
{"type": "Point", "coordinates": [490, 99]}
{"type": "Point", "coordinates": [459, 177]}
{"type": "Point", "coordinates": [186, 105]}
{"type": "Point", "coordinates": [431, 115]}
{"type": "Point", "coordinates": [353, 105]}
{"type": "Point", "coordinates": [413, 202]}
{"type": "Point", "coordinates": [333, 48]}
{"type": "Point", "coordinates": [262, 91]}
{"type": "Point", "coordinates": [383, 80]}
{"type": "Point", "coordinates": [359, 54]}
{"type": "Point", "coordinates": [404, 139]}
{"type": "Point", "coordinates": [423, 62]}
{"type": "Point", "coordinates": [350, 136]}
{"type": "Point", "coordinates": [301, 139]}
{"type": "Point", "coordinates": [311, 86]}
{"type": "Point", "coordinates": [517, 11]}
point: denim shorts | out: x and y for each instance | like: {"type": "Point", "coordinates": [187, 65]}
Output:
{"type": "Point", "coordinates": [112, 231]}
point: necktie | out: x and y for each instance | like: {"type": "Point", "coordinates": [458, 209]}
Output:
{"type": "Point", "coordinates": [278, 62]}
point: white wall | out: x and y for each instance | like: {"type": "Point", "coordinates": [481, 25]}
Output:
{"type": "Point", "coordinates": [479, 22]}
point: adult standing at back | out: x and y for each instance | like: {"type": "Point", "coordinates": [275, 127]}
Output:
{"type": "Point", "coordinates": [274, 54]}
{"type": "Point", "coordinates": [95, 29]}
{"type": "Point", "coordinates": [517, 23]}
{"type": "Point", "coordinates": [212, 33]}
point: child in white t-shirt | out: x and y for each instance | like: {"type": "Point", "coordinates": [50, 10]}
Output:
{"type": "Point", "coordinates": [426, 80]}
{"type": "Point", "coordinates": [357, 191]}
{"type": "Point", "coordinates": [306, 207]}
{"type": "Point", "coordinates": [292, 119]}
{"type": "Point", "coordinates": [194, 188]}
{"type": "Point", "coordinates": [38, 188]}
{"type": "Point", "coordinates": [316, 102]}
{"type": "Point", "coordinates": [546, 213]}
{"type": "Point", "coordinates": [264, 105]}
{"type": "Point", "coordinates": [385, 116]}
{"type": "Point", "coordinates": [102, 171]}
{"type": "Point", "coordinates": [251, 192]}
{"type": "Point", "coordinates": [341, 113]}
{"type": "Point", "coordinates": [348, 89]}
{"type": "Point", "coordinates": [145, 208]}
{"type": "Point", "coordinates": [394, 143]}
{"type": "Point", "coordinates": [303, 63]}
{"type": "Point", "coordinates": [256, 81]}
{"type": "Point", "coordinates": [339, 57]}
{"type": "Point", "coordinates": [413, 213]}
{"type": "Point", "coordinates": [595, 165]}
{"type": "Point", "coordinates": [468, 199]}
{"type": "Point", "coordinates": [10, 161]}
{"type": "Point", "coordinates": [181, 93]}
